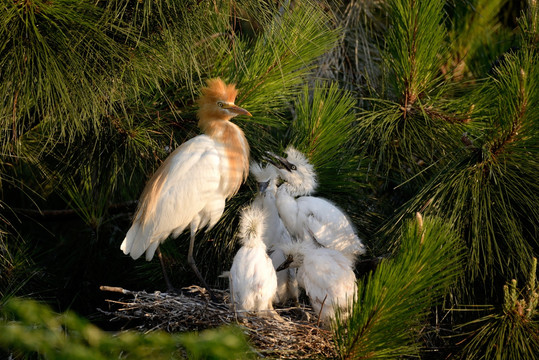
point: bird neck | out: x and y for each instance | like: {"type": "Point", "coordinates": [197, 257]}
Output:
{"type": "Point", "coordinates": [287, 208]}
{"type": "Point", "coordinates": [236, 150]}
{"type": "Point", "coordinates": [293, 191]}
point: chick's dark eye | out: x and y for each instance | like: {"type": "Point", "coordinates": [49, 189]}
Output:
{"type": "Point", "coordinates": [220, 104]}
{"type": "Point", "coordinates": [293, 167]}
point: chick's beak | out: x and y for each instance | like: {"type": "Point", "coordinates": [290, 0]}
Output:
{"type": "Point", "coordinates": [262, 186]}
{"type": "Point", "coordinates": [277, 161]}
{"type": "Point", "coordinates": [236, 109]}
{"type": "Point", "coordinates": [286, 263]}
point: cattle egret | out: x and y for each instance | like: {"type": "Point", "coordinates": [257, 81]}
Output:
{"type": "Point", "coordinates": [275, 232]}
{"type": "Point", "coordinates": [315, 216]}
{"type": "Point", "coordinates": [326, 275]}
{"type": "Point", "coordinates": [253, 281]}
{"type": "Point", "coordinates": [192, 184]}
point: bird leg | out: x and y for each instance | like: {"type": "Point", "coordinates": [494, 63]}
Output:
{"type": "Point", "coordinates": [165, 275]}
{"type": "Point", "coordinates": [191, 262]}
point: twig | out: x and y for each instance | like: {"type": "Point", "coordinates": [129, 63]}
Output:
{"type": "Point", "coordinates": [321, 308]}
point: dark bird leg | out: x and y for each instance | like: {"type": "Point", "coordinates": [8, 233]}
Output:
{"type": "Point", "coordinates": [170, 288]}
{"type": "Point", "coordinates": [191, 262]}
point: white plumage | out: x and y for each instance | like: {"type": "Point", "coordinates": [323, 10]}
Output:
{"type": "Point", "coordinates": [191, 186]}
{"type": "Point", "coordinates": [182, 201]}
{"type": "Point", "coordinates": [327, 277]}
{"type": "Point", "coordinates": [253, 281]}
{"type": "Point", "coordinates": [275, 232]}
{"type": "Point", "coordinates": [308, 215]}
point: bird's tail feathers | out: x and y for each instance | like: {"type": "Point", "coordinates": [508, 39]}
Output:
{"type": "Point", "coordinates": [137, 241]}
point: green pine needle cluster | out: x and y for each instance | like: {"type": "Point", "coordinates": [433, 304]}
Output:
{"type": "Point", "coordinates": [414, 44]}
{"type": "Point", "coordinates": [322, 129]}
{"type": "Point", "coordinates": [394, 300]}
{"type": "Point", "coordinates": [488, 189]}
{"type": "Point", "coordinates": [511, 333]}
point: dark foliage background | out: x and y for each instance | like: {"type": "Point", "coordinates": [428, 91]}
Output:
{"type": "Point", "coordinates": [402, 107]}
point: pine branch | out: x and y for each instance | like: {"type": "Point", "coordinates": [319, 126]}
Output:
{"type": "Point", "coordinates": [397, 296]}
{"type": "Point", "coordinates": [512, 332]}
{"type": "Point", "coordinates": [516, 124]}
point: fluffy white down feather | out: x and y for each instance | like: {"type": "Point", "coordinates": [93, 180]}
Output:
{"type": "Point", "coordinates": [275, 233]}
{"type": "Point", "coordinates": [313, 216]}
{"type": "Point", "coordinates": [327, 277]}
{"type": "Point", "coordinates": [253, 279]}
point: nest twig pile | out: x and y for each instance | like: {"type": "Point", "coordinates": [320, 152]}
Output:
{"type": "Point", "coordinates": [297, 336]}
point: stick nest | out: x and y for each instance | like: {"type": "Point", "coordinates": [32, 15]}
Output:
{"type": "Point", "coordinates": [299, 336]}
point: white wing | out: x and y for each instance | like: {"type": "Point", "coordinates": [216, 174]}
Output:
{"type": "Point", "coordinates": [329, 281]}
{"type": "Point", "coordinates": [185, 190]}
{"type": "Point", "coordinates": [329, 225]}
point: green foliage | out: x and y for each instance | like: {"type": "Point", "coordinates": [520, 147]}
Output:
{"type": "Point", "coordinates": [489, 190]}
{"type": "Point", "coordinates": [414, 47]}
{"type": "Point", "coordinates": [16, 266]}
{"type": "Point", "coordinates": [27, 327]}
{"type": "Point", "coordinates": [323, 129]}
{"type": "Point", "coordinates": [54, 58]}
{"type": "Point", "coordinates": [394, 300]}
{"type": "Point", "coordinates": [513, 332]}
{"type": "Point", "coordinates": [476, 37]}
{"type": "Point", "coordinates": [271, 70]}
{"type": "Point", "coordinates": [410, 131]}
{"type": "Point", "coordinates": [529, 25]}
{"type": "Point", "coordinates": [97, 94]}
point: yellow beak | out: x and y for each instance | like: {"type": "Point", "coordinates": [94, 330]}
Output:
{"type": "Point", "coordinates": [236, 109]}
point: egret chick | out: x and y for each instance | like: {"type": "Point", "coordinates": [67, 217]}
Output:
{"type": "Point", "coordinates": [191, 186]}
{"type": "Point", "coordinates": [275, 232]}
{"type": "Point", "coordinates": [315, 216]}
{"type": "Point", "coordinates": [326, 275]}
{"type": "Point", "coordinates": [253, 281]}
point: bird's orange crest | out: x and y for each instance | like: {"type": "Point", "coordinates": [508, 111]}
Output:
{"type": "Point", "coordinates": [217, 89]}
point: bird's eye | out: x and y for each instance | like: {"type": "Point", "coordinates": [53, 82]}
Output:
{"type": "Point", "coordinates": [220, 104]}
{"type": "Point", "coordinates": [293, 167]}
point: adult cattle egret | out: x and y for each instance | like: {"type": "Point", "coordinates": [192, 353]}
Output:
{"type": "Point", "coordinates": [326, 275]}
{"type": "Point", "coordinates": [314, 216]}
{"type": "Point", "coordinates": [275, 232]}
{"type": "Point", "coordinates": [192, 184]}
{"type": "Point", "coordinates": [253, 281]}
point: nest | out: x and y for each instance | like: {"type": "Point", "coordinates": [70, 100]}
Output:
{"type": "Point", "coordinates": [297, 335]}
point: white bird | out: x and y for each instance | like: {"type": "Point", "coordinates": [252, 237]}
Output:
{"type": "Point", "coordinates": [327, 277]}
{"type": "Point", "coordinates": [275, 232]}
{"type": "Point", "coordinates": [315, 216]}
{"type": "Point", "coordinates": [253, 280]}
{"type": "Point", "coordinates": [192, 184]}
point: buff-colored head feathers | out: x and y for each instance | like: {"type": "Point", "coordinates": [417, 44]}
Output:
{"type": "Point", "coordinates": [216, 90]}
{"type": "Point", "coordinates": [216, 103]}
